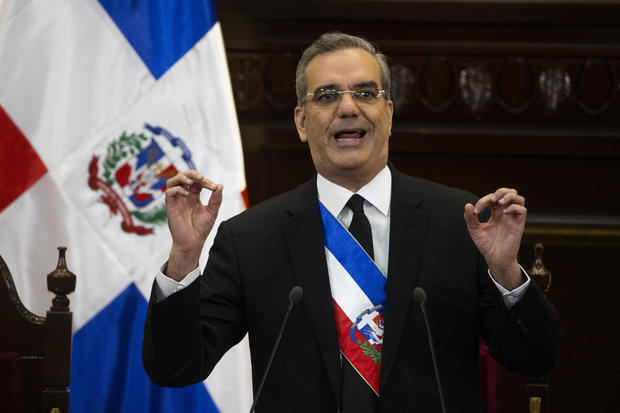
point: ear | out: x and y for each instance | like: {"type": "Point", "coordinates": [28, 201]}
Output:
{"type": "Point", "coordinates": [390, 112]}
{"type": "Point", "coordinates": [300, 123]}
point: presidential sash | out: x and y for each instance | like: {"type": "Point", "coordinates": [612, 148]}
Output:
{"type": "Point", "coordinates": [358, 295]}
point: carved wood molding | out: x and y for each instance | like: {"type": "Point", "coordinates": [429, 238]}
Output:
{"type": "Point", "coordinates": [508, 88]}
{"type": "Point", "coordinates": [455, 11]}
{"type": "Point", "coordinates": [573, 230]}
{"type": "Point", "coordinates": [581, 91]}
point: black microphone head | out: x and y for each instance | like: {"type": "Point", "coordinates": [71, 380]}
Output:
{"type": "Point", "coordinates": [419, 295]}
{"type": "Point", "coordinates": [296, 294]}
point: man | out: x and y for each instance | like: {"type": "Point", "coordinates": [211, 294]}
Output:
{"type": "Point", "coordinates": [334, 357]}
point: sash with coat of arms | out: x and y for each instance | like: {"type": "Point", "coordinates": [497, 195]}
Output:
{"type": "Point", "coordinates": [358, 295]}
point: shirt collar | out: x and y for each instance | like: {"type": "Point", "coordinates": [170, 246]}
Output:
{"type": "Point", "coordinates": [378, 192]}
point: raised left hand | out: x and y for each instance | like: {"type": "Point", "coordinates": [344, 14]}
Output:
{"type": "Point", "coordinates": [499, 238]}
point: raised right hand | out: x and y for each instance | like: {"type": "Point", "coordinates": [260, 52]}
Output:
{"type": "Point", "coordinates": [190, 221]}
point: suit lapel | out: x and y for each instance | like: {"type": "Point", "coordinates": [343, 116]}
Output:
{"type": "Point", "coordinates": [407, 233]}
{"type": "Point", "coordinates": [304, 238]}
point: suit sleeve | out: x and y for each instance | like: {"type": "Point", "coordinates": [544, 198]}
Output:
{"type": "Point", "coordinates": [525, 338]}
{"type": "Point", "coordinates": [186, 334]}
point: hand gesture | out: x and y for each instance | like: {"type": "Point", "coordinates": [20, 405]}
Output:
{"type": "Point", "coordinates": [499, 238]}
{"type": "Point", "coordinates": [190, 221]}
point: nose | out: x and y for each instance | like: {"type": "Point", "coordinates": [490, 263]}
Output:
{"type": "Point", "coordinates": [347, 106]}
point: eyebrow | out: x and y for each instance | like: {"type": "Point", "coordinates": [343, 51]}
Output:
{"type": "Point", "coordinates": [325, 87]}
{"type": "Point", "coordinates": [369, 83]}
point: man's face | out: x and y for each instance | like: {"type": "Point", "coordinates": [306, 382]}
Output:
{"type": "Point", "coordinates": [348, 138]}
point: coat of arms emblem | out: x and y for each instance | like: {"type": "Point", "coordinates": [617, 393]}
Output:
{"type": "Point", "coordinates": [132, 176]}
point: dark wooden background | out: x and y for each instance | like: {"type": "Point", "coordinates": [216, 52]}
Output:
{"type": "Point", "coordinates": [523, 94]}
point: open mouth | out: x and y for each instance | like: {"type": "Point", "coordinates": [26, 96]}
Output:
{"type": "Point", "coordinates": [350, 134]}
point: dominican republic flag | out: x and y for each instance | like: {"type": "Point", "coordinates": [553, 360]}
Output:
{"type": "Point", "coordinates": [100, 103]}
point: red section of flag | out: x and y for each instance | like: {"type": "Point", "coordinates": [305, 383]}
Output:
{"type": "Point", "coordinates": [246, 198]}
{"type": "Point", "coordinates": [20, 165]}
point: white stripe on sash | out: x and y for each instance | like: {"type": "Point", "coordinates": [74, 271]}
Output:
{"type": "Point", "coordinates": [356, 282]}
{"type": "Point", "coordinates": [345, 290]}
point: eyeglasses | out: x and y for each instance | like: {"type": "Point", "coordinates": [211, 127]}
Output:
{"type": "Point", "coordinates": [327, 97]}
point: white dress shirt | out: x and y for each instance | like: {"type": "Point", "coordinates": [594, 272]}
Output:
{"type": "Point", "coordinates": [377, 195]}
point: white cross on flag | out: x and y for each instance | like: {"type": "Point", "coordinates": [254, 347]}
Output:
{"type": "Point", "coordinates": [101, 101]}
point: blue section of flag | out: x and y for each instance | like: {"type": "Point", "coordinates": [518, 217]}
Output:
{"type": "Point", "coordinates": [161, 31]}
{"type": "Point", "coordinates": [353, 258]}
{"type": "Point", "coordinates": [106, 366]}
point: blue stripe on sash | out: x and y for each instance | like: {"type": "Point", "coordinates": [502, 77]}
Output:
{"type": "Point", "coordinates": [353, 258]}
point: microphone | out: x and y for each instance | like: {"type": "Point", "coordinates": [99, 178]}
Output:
{"type": "Point", "coordinates": [419, 296]}
{"type": "Point", "coordinates": [294, 296]}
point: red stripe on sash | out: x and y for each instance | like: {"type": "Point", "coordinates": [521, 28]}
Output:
{"type": "Point", "coordinates": [363, 356]}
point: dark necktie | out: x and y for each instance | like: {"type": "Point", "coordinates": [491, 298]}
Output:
{"type": "Point", "coordinates": [357, 396]}
{"type": "Point", "coordinates": [360, 226]}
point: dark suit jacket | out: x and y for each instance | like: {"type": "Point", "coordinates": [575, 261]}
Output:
{"type": "Point", "coordinates": [259, 255]}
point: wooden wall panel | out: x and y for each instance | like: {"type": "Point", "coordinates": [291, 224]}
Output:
{"type": "Point", "coordinates": [487, 93]}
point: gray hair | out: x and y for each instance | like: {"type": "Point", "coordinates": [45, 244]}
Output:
{"type": "Point", "coordinates": [330, 42]}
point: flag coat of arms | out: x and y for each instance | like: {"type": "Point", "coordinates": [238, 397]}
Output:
{"type": "Point", "coordinates": [102, 101]}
